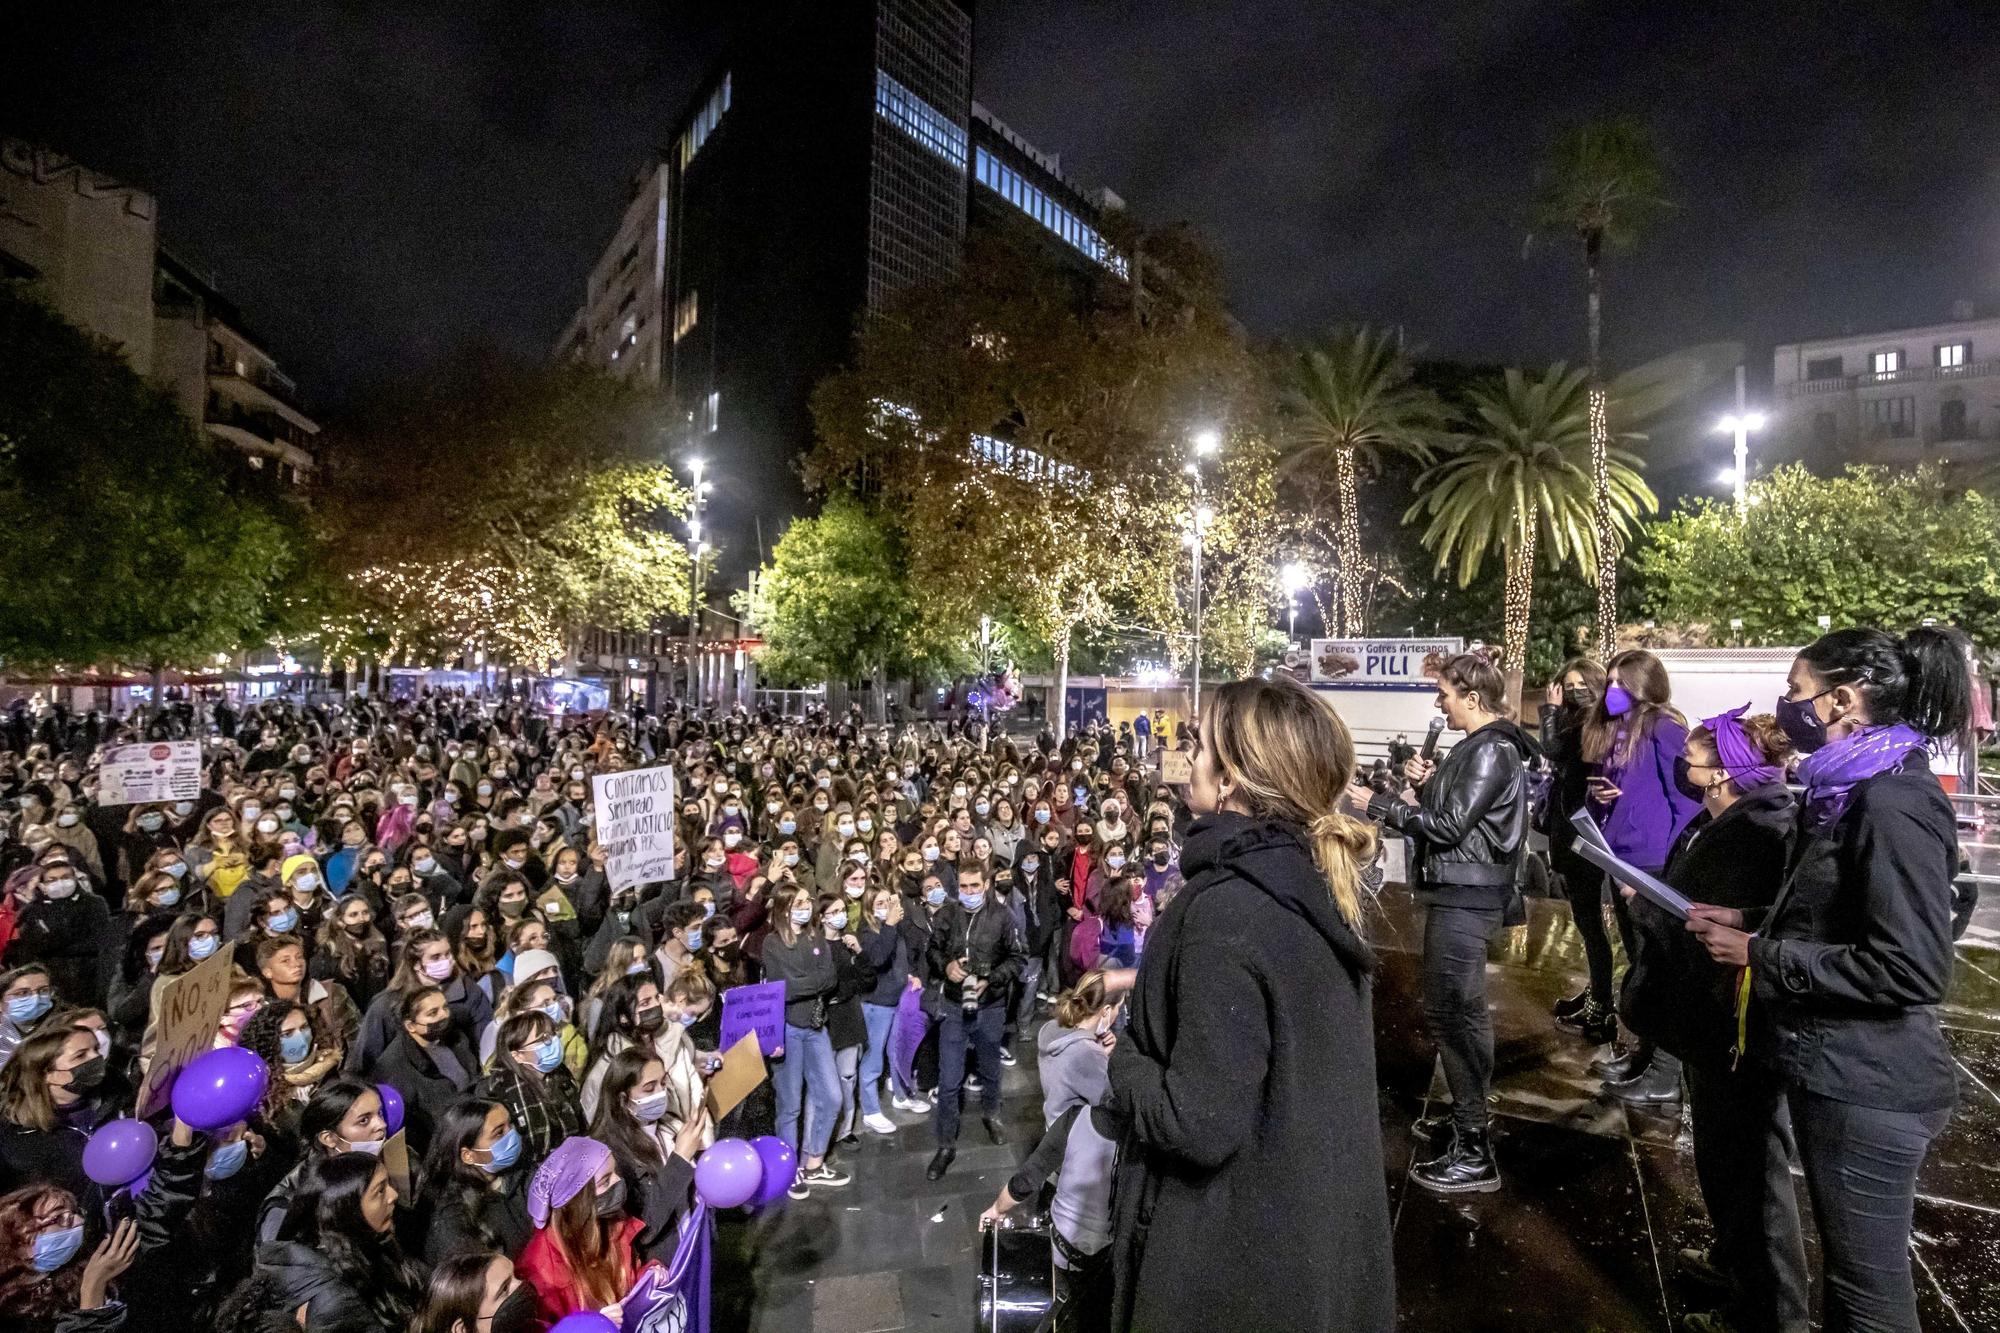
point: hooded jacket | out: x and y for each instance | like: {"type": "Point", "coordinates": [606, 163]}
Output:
{"type": "Point", "coordinates": [1247, 1080]}
{"type": "Point", "coordinates": [307, 1277]}
{"type": "Point", "coordinates": [1074, 1069]}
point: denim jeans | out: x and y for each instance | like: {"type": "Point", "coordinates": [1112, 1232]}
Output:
{"type": "Point", "coordinates": [1861, 1171]}
{"type": "Point", "coordinates": [1021, 1008]}
{"type": "Point", "coordinates": [807, 1071]}
{"type": "Point", "coordinates": [1454, 990]}
{"type": "Point", "coordinates": [881, 1020]}
{"type": "Point", "coordinates": [982, 1035]}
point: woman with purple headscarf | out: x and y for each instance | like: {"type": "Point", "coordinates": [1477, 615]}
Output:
{"type": "Point", "coordinates": [1843, 974]}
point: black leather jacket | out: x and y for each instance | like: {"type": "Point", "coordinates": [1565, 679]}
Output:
{"type": "Point", "coordinates": [1470, 824]}
{"type": "Point", "coordinates": [988, 937]}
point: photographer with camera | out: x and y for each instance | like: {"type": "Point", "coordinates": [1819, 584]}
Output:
{"type": "Point", "coordinates": [976, 955]}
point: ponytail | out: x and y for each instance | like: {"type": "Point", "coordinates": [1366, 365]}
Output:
{"type": "Point", "coordinates": [1081, 1002]}
{"type": "Point", "coordinates": [1343, 847]}
{"type": "Point", "coordinates": [1919, 680]}
{"type": "Point", "coordinates": [1939, 702]}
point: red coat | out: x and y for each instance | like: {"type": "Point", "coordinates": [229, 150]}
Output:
{"type": "Point", "coordinates": [543, 1267]}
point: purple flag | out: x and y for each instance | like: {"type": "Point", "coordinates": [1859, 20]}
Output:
{"type": "Point", "coordinates": [673, 1298]}
{"type": "Point", "coordinates": [907, 1035]}
{"type": "Point", "coordinates": [759, 1009]}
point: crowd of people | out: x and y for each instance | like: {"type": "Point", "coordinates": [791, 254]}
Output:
{"type": "Point", "coordinates": [413, 902]}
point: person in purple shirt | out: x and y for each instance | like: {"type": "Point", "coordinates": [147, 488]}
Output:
{"type": "Point", "coordinates": [1631, 741]}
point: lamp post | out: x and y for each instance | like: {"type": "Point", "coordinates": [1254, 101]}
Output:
{"type": "Point", "coordinates": [1296, 577]}
{"type": "Point", "coordinates": [1740, 423]}
{"type": "Point", "coordinates": [701, 489]}
{"type": "Point", "coordinates": [1205, 443]}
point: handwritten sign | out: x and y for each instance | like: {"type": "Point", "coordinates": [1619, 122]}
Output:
{"type": "Point", "coordinates": [1381, 664]}
{"type": "Point", "coordinates": [634, 815]}
{"type": "Point", "coordinates": [742, 1070]}
{"type": "Point", "coordinates": [150, 771]}
{"type": "Point", "coordinates": [759, 1009]}
{"type": "Point", "coordinates": [190, 1010]}
{"type": "Point", "coordinates": [1176, 767]}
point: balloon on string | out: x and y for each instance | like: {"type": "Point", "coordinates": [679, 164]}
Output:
{"type": "Point", "coordinates": [781, 1167]}
{"type": "Point", "coordinates": [392, 1107]}
{"type": "Point", "coordinates": [120, 1152]}
{"type": "Point", "coordinates": [220, 1087]}
{"type": "Point", "coordinates": [728, 1174]}
{"type": "Point", "coordinates": [584, 1321]}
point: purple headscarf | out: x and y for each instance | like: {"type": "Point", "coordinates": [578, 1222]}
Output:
{"type": "Point", "coordinates": [1741, 759]}
{"type": "Point", "coordinates": [568, 1170]}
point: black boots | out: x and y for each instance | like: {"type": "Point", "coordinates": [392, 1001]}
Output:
{"type": "Point", "coordinates": [940, 1164]}
{"type": "Point", "coordinates": [1595, 1025]}
{"type": "Point", "coordinates": [1465, 1166]}
{"type": "Point", "coordinates": [1618, 1066]}
{"type": "Point", "coordinates": [1572, 1005]}
{"type": "Point", "coordinates": [1659, 1084]}
{"type": "Point", "coordinates": [995, 1131]}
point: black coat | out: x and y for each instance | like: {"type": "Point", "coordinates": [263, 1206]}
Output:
{"type": "Point", "coordinates": [1674, 993]}
{"type": "Point", "coordinates": [1470, 824]}
{"type": "Point", "coordinates": [68, 936]}
{"type": "Point", "coordinates": [1852, 960]}
{"type": "Point", "coordinates": [1250, 1188]}
{"type": "Point", "coordinates": [410, 1069]}
{"type": "Point", "coordinates": [480, 1221]}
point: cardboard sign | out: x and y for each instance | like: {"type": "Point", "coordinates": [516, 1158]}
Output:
{"type": "Point", "coordinates": [1381, 664]}
{"type": "Point", "coordinates": [1176, 767]}
{"type": "Point", "coordinates": [758, 1009]}
{"type": "Point", "coordinates": [396, 1161]}
{"type": "Point", "coordinates": [191, 1008]}
{"type": "Point", "coordinates": [742, 1070]}
{"type": "Point", "coordinates": [150, 771]}
{"type": "Point", "coordinates": [634, 817]}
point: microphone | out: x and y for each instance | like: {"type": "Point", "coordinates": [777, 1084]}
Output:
{"type": "Point", "coordinates": [1429, 752]}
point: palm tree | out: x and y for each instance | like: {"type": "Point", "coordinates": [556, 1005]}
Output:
{"type": "Point", "coordinates": [1522, 473]}
{"type": "Point", "coordinates": [1603, 184]}
{"type": "Point", "coordinates": [1352, 403]}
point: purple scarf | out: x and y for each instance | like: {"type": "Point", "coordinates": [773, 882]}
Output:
{"type": "Point", "coordinates": [1742, 761]}
{"type": "Point", "coordinates": [1832, 772]}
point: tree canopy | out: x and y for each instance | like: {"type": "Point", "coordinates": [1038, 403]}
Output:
{"type": "Point", "coordinates": [128, 538]}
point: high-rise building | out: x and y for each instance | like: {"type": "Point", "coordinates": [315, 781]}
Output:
{"type": "Point", "coordinates": [832, 157]}
{"type": "Point", "coordinates": [90, 245]}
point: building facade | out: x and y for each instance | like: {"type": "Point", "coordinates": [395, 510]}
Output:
{"type": "Point", "coordinates": [1907, 396]}
{"type": "Point", "coordinates": [90, 245]}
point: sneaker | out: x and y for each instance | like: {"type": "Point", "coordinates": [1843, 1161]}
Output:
{"type": "Point", "coordinates": [880, 1123]}
{"type": "Point", "coordinates": [1571, 1005]}
{"type": "Point", "coordinates": [799, 1189]}
{"type": "Point", "coordinates": [826, 1176]}
{"type": "Point", "coordinates": [848, 1141]}
{"type": "Point", "coordinates": [1007, 1058]}
{"type": "Point", "coordinates": [972, 1084]}
{"type": "Point", "coordinates": [915, 1105]}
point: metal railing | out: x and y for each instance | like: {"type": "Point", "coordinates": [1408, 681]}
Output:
{"type": "Point", "coordinates": [1907, 375]}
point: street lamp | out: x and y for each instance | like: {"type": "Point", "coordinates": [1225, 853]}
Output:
{"type": "Point", "coordinates": [1740, 424]}
{"type": "Point", "coordinates": [1296, 577]}
{"type": "Point", "coordinates": [701, 489]}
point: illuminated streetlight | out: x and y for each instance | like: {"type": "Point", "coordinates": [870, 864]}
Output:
{"type": "Point", "coordinates": [1728, 476]}
{"type": "Point", "coordinates": [1207, 442]}
{"type": "Point", "coordinates": [1739, 424]}
{"type": "Point", "coordinates": [1295, 577]}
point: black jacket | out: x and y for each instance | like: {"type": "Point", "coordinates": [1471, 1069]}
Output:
{"type": "Point", "coordinates": [68, 937]}
{"type": "Point", "coordinates": [1470, 824]}
{"type": "Point", "coordinates": [1852, 960]}
{"type": "Point", "coordinates": [987, 939]}
{"type": "Point", "coordinates": [1562, 746]}
{"type": "Point", "coordinates": [410, 1069]}
{"type": "Point", "coordinates": [481, 1221]}
{"type": "Point", "coordinates": [810, 972]}
{"type": "Point", "coordinates": [1247, 1077]}
{"type": "Point", "coordinates": [1674, 993]}
{"type": "Point", "coordinates": [307, 1277]}
{"type": "Point", "coordinates": [658, 1194]}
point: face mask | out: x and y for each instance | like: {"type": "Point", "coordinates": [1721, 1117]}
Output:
{"type": "Point", "coordinates": [66, 819]}
{"type": "Point", "coordinates": [201, 946]}
{"type": "Point", "coordinates": [284, 922]}
{"type": "Point", "coordinates": [306, 882]}
{"type": "Point", "coordinates": [865, 825]}
{"type": "Point", "coordinates": [1031, 865]}
{"type": "Point", "coordinates": [1160, 859]}
{"type": "Point", "coordinates": [485, 789]}
{"type": "Point", "coordinates": [548, 1055]}
{"type": "Point", "coordinates": [513, 907]}
{"type": "Point", "coordinates": [28, 1008]}
{"type": "Point", "coordinates": [59, 888]}
{"type": "Point", "coordinates": [732, 810]}
{"type": "Point", "coordinates": [982, 807]}
{"type": "Point", "coordinates": [731, 838]}
{"type": "Point", "coordinates": [251, 809]}
{"type": "Point", "coordinates": [820, 806]}
{"type": "Point", "coordinates": [694, 940]}
{"type": "Point", "coordinates": [423, 865]}
{"type": "Point", "coordinates": [935, 897]}
{"type": "Point", "coordinates": [1617, 701]}
{"type": "Point", "coordinates": [88, 1076]}
{"type": "Point", "coordinates": [1579, 697]}
{"type": "Point", "coordinates": [373, 1147]}
{"type": "Point", "coordinates": [1114, 863]}
{"type": "Point", "coordinates": [227, 1160]}
{"type": "Point", "coordinates": [881, 911]}
{"type": "Point", "coordinates": [438, 969]}
{"type": "Point", "coordinates": [651, 1019]}
{"type": "Point", "coordinates": [845, 828]}
{"type": "Point", "coordinates": [712, 862]}
{"type": "Point", "coordinates": [1684, 780]}
{"type": "Point", "coordinates": [153, 957]}
{"type": "Point", "coordinates": [438, 1030]}
{"type": "Point", "coordinates": [707, 909]}
{"type": "Point", "coordinates": [647, 1110]}
{"type": "Point", "coordinates": [836, 921]}
{"type": "Point", "coordinates": [801, 915]}
{"type": "Point", "coordinates": [53, 1249]}
{"type": "Point", "coordinates": [930, 854]}
{"type": "Point", "coordinates": [504, 1153]}
{"type": "Point", "coordinates": [1041, 816]}
{"type": "Point", "coordinates": [972, 902]}
{"type": "Point", "coordinates": [1076, 765]}
{"type": "Point", "coordinates": [854, 890]}
{"type": "Point", "coordinates": [267, 826]}
{"type": "Point", "coordinates": [791, 858]}
{"type": "Point", "coordinates": [1799, 720]}
{"type": "Point", "coordinates": [183, 808]}
{"type": "Point", "coordinates": [289, 793]}
{"type": "Point", "coordinates": [151, 823]}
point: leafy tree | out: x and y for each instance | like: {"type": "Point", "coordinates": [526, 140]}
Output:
{"type": "Point", "coordinates": [834, 603]}
{"type": "Point", "coordinates": [1603, 182]}
{"type": "Point", "coordinates": [1351, 402]}
{"type": "Point", "coordinates": [507, 508]}
{"type": "Point", "coordinates": [1523, 473]}
{"type": "Point", "coordinates": [127, 538]}
{"type": "Point", "coordinates": [1868, 547]}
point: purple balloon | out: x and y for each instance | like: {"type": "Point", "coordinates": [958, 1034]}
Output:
{"type": "Point", "coordinates": [728, 1174]}
{"type": "Point", "coordinates": [220, 1087]}
{"type": "Point", "coordinates": [584, 1321]}
{"type": "Point", "coordinates": [120, 1152]}
{"type": "Point", "coordinates": [392, 1107]}
{"type": "Point", "coordinates": [781, 1167]}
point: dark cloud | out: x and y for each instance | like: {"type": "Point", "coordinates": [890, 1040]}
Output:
{"type": "Point", "coordinates": [376, 184]}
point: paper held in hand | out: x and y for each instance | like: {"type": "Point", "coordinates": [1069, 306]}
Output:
{"type": "Point", "coordinates": [742, 1070]}
{"type": "Point", "coordinates": [1591, 847]}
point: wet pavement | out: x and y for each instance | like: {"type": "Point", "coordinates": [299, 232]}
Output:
{"type": "Point", "coordinates": [1599, 1198]}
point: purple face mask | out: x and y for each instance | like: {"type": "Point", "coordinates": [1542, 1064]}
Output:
{"type": "Point", "coordinates": [1617, 701]}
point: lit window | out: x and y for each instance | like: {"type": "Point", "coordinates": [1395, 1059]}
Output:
{"type": "Point", "coordinates": [686, 313]}
{"type": "Point", "coordinates": [704, 122]}
{"type": "Point", "coordinates": [919, 119]}
{"type": "Point", "coordinates": [1952, 356]}
{"type": "Point", "coordinates": [1010, 185]}
{"type": "Point", "coordinates": [712, 411]}
{"type": "Point", "coordinates": [1887, 363]}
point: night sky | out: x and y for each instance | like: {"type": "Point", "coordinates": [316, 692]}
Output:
{"type": "Point", "coordinates": [378, 184]}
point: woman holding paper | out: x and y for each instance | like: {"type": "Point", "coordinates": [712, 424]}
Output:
{"type": "Point", "coordinates": [1847, 967]}
{"type": "Point", "coordinates": [1733, 855]}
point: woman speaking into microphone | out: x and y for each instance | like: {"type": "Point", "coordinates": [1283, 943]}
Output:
{"type": "Point", "coordinates": [1469, 824]}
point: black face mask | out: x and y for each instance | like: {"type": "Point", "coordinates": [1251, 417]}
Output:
{"type": "Point", "coordinates": [650, 1020]}
{"type": "Point", "coordinates": [518, 1313]}
{"type": "Point", "coordinates": [1684, 781]}
{"type": "Point", "coordinates": [438, 1030]}
{"type": "Point", "coordinates": [611, 1202]}
{"type": "Point", "coordinates": [1578, 698]}
{"type": "Point", "coordinates": [88, 1076]}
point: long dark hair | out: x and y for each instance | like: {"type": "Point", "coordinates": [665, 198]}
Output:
{"type": "Point", "coordinates": [1919, 680]}
{"type": "Point", "coordinates": [448, 1178]}
{"type": "Point", "coordinates": [1645, 679]}
{"type": "Point", "coordinates": [328, 1106]}
{"type": "Point", "coordinates": [263, 1036]}
{"type": "Point", "coordinates": [457, 1290]}
{"type": "Point", "coordinates": [615, 1126]}
{"type": "Point", "coordinates": [326, 1215]}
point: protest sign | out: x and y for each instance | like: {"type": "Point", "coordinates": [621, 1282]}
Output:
{"type": "Point", "coordinates": [190, 1011]}
{"type": "Point", "coordinates": [634, 814]}
{"type": "Point", "coordinates": [396, 1162]}
{"type": "Point", "coordinates": [742, 1070]}
{"type": "Point", "coordinates": [1176, 767]}
{"type": "Point", "coordinates": [759, 1009]}
{"type": "Point", "coordinates": [150, 771]}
